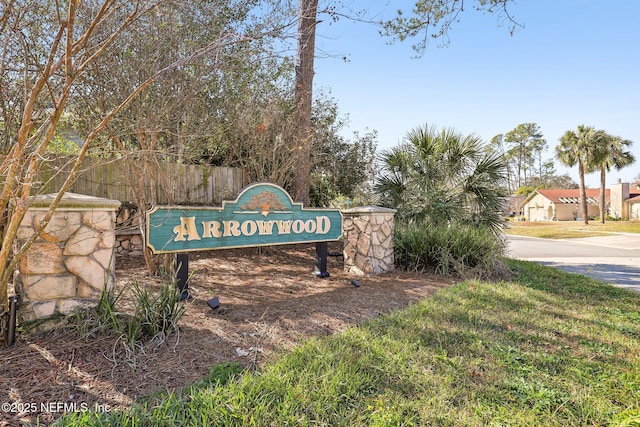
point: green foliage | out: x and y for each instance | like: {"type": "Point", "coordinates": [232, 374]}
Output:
{"type": "Point", "coordinates": [432, 20]}
{"type": "Point", "coordinates": [584, 149]}
{"type": "Point", "coordinates": [155, 314]}
{"type": "Point", "coordinates": [458, 249]}
{"type": "Point", "coordinates": [525, 191]}
{"type": "Point", "coordinates": [62, 146]}
{"type": "Point", "coordinates": [559, 181]}
{"type": "Point", "coordinates": [526, 148]}
{"type": "Point", "coordinates": [578, 148]}
{"type": "Point", "coordinates": [611, 152]}
{"type": "Point", "coordinates": [522, 149]}
{"type": "Point", "coordinates": [443, 177]}
{"type": "Point", "coordinates": [341, 168]}
{"type": "Point", "coordinates": [66, 141]}
{"type": "Point", "coordinates": [546, 348]}
{"type": "Point", "coordinates": [222, 86]}
{"type": "Point", "coordinates": [104, 318]}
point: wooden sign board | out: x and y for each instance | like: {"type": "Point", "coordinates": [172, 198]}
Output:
{"type": "Point", "coordinates": [262, 215]}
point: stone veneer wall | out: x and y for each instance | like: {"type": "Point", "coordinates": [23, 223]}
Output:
{"type": "Point", "coordinates": [129, 239]}
{"type": "Point", "coordinates": [368, 240]}
{"type": "Point", "coordinates": [72, 260]}
{"type": "Point", "coordinates": [129, 243]}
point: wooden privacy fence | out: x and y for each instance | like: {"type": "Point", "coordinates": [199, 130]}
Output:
{"type": "Point", "coordinates": [110, 179]}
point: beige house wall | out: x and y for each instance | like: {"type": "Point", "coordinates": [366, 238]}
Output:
{"type": "Point", "coordinates": [633, 211]}
{"type": "Point", "coordinates": [539, 208]}
{"type": "Point", "coordinates": [566, 212]}
{"type": "Point", "coordinates": [618, 194]}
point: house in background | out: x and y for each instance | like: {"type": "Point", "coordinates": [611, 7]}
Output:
{"type": "Point", "coordinates": [561, 205]}
{"type": "Point", "coordinates": [622, 201]}
{"type": "Point", "coordinates": [625, 201]}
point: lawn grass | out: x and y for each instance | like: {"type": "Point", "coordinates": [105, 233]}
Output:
{"type": "Point", "coordinates": [546, 348]}
{"type": "Point", "coordinates": [570, 229]}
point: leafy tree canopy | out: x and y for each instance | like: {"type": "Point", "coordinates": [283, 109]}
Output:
{"type": "Point", "coordinates": [433, 19]}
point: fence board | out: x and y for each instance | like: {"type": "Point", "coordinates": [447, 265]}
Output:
{"type": "Point", "coordinates": [187, 184]}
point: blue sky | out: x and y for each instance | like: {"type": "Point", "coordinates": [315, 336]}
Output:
{"type": "Point", "coordinates": [574, 62]}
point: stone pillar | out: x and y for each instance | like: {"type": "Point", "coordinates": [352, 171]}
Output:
{"type": "Point", "coordinates": [72, 260]}
{"type": "Point", "coordinates": [368, 240]}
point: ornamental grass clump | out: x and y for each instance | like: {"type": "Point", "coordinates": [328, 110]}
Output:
{"type": "Point", "coordinates": [148, 314]}
{"type": "Point", "coordinates": [456, 249]}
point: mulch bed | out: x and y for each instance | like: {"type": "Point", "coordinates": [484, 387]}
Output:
{"type": "Point", "coordinates": [269, 302]}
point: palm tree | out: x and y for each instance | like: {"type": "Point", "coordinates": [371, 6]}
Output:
{"type": "Point", "coordinates": [611, 152]}
{"type": "Point", "coordinates": [579, 148]}
{"type": "Point", "coordinates": [442, 177]}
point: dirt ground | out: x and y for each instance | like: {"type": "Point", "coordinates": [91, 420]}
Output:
{"type": "Point", "coordinates": [269, 301]}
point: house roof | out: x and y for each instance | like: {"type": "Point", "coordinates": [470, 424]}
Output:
{"type": "Point", "coordinates": [572, 195]}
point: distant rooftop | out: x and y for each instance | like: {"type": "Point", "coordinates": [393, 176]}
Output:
{"type": "Point", "coordinates": [572, 195]}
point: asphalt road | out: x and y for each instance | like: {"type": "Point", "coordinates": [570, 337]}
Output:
{"type": "Point", "coordinates": [614, 259]}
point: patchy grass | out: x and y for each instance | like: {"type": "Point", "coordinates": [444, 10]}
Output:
{"type": "Point", "coordinates": [545, 348]}
{"type": "Point", "coordinates": [571, 229]}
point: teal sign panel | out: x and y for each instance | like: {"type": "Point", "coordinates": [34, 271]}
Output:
{"type": "Point", "coordinates": [262, 214]}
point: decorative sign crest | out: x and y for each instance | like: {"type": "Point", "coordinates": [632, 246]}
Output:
{"type": "Point", "coordinates": [262, 214]}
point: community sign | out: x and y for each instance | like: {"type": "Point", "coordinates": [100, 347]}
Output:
{"type": "Point", "coordinates": [262, 214]}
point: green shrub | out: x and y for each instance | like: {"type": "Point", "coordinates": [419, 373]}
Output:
{"type": "Point", "coordinates": [157, 313]}
{"type": "Point", "coordinates": [153, 314]}
{"type": "Point", "coordinates": [458, 249]}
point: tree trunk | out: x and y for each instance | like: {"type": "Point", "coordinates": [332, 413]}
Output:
{"type": "Point", "coordinates": [146, 170]}
{"type": "Point", "coordinates": [583, 195]}
{"type": "Point", "coordinates": [603, 183]}
{"type": "Point", "coordinates": [303, 94]}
